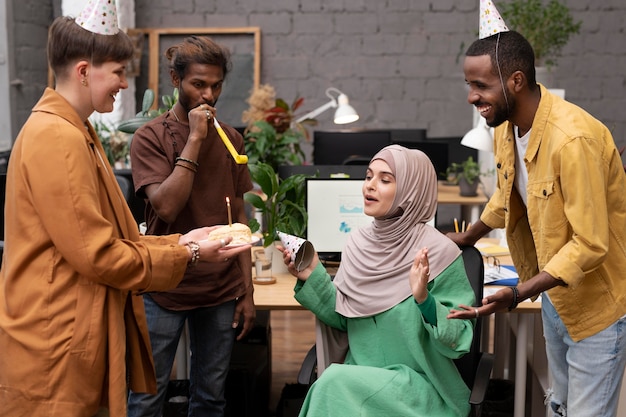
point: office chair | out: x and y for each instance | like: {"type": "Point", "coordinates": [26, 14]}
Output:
{"type": "Point", "coordinates": [357, 160]}
{"type": "Point", "coordinates": [475, 366]}
{"type": "Point", "coordinates": [126, 187]}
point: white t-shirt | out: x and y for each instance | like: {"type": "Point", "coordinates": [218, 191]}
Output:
{"type": "Point", "coordinates": [521, 174]}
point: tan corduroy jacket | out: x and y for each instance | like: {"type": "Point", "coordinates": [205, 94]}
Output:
{"type": "Point", "coordinates": [72, 257]}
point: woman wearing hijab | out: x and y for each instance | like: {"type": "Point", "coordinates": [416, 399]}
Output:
{"type": "Point", "coordinates": [397, 282]}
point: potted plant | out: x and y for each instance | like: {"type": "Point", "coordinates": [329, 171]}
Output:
{"type": "Point", "coordinates": [547, 27]}
{"type": "Point", "coordinates": [265, 144]}
{"type": "Point", "coordinates": [272, 135]}
{"type": "Point", "coordinates": [116, 144]}
{"type": "Point", "coordinates": [467, 174]}
{"type": "Point", "coordinates": [281, 205]}
{"type": "Point", "coordinates": [147, 113]}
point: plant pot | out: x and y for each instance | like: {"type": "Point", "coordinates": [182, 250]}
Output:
{"type": "Point", "coordinates": [467, 189]}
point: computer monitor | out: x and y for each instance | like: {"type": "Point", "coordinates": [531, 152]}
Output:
{"type": "Point", "coordinates": [323, 171]}
{"type": "Point", "coordinates": [334, 147]}
{"type": "Point", "coordinates": [335, 208]}
{"type": "Point", "coordinates": [436, 150]}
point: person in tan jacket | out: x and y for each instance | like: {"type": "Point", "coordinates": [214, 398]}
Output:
{"type": "Point", "coordinates": [73, 333]}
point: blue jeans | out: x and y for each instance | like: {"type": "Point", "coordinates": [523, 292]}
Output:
{"type": "Point", "coordinates": [211, 342]}
{"type": "Point", "coordinates": [587, 375]}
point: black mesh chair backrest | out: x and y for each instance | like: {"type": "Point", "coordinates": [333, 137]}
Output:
{"type": "Point", "coordinates": [475, 269]}
{"type": "Point", "coordinates": [126, 187]}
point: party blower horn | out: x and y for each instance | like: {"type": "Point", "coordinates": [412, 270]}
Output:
{"type": "Point", "coordinates": [301, 250]}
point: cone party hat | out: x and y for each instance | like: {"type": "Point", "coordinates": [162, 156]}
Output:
{"type": "Point", "coordinates": [490, 20]}
{"type": "Point", "coordinates": [301, 250]}
{"type": "Point", "coordinates": [99, 16]}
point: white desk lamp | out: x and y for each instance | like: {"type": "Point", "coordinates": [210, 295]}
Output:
{"type": "Point", "coordinates": [344, 114]}
{"type": "Point", "coordinates": [480, 136]}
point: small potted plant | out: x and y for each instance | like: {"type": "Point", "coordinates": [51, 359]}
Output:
{"type": "Point", "coordinates": [272, 135]}
{"type": "Point", "coordinates": [467, 174]}
{"type": "Point", "coordinates": [547, 27]}
{"type": "Point", "coordinates": [281, 205]}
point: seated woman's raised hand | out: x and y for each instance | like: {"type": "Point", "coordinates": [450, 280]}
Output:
{"type": "Point", "coordinates": [419, 275]}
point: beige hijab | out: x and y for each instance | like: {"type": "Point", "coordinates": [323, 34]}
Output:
{"type": "Point", "coordinates": [375, 263]}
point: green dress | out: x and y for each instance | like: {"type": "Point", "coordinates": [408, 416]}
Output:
{"type": "Point", "coordinates": [399, 363]}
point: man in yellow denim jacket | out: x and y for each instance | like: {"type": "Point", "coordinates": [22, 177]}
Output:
{"type": "Point", "coordinates": [560, 196]}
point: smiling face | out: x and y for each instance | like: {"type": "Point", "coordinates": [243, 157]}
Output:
{"type": "Point", "coordinates": [485, 90]}
{"type": "Point", "coordinates": [202, 84]}
{"type": "Point", "coordinates": [106, 81]}
{"type": "Point", "coordinates": [379, 189]}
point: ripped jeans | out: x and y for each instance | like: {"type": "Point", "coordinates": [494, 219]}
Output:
{"type": "Point", "coordinates": [587, 375]}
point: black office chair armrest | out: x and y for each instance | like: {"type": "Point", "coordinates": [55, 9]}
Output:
{"type": "Point", "coordinates": [308, 370]}
{"type": "Point", "coordinates": [481, 380]}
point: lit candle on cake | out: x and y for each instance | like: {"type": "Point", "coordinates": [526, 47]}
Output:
{"type": "Point", "coordinates": [230, 216]}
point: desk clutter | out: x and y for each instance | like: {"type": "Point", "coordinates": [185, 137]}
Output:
{"type": "Point", "coordinates": [497, 273]}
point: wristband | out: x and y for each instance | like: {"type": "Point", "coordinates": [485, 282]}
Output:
{"type": "Point", "coordinates": [515, 301]}
{"type": "Point", "coordinates": [195, 253]}
{"type": "Point", "coordinates": [191, 161]}
{"type": "Point", "coordinates": [187, 166]}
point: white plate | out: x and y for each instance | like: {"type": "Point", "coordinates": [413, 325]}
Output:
{"type": "Point", "coordinates": [254, 240]}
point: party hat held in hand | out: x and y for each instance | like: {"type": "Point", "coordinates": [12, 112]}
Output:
{"type": "Point", "coordinates": [301, 250]}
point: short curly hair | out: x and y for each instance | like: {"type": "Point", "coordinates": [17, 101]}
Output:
{"type": "Point", "coordinates": [514, 53]}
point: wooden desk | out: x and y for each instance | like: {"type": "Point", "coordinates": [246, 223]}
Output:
{"type": "Point", "coordinates": [278, 296]}
{"type": "Point", "coordinates": [470, 206]}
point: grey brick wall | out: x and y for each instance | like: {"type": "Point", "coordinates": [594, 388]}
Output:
{"type": "Point", "coordinates": [28, 28]}
{"type": "Point", "coordinates": [400, 61]}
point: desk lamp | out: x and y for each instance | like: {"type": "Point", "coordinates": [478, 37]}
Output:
{"type": "Point", "coordinates": [479, 137]}
{"type": "Point", "coordinates": [344, 114]}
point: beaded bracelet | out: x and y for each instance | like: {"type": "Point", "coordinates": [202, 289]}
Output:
{"type": "Point", "coordinates": [191, 161]}
{"type": "Point", "coordinates": [195, 252]}
{"type": "Point", "coordinates": [515, 298]}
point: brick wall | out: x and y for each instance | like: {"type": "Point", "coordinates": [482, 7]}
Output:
{"type": "Point", "coordinates": [398, 60]}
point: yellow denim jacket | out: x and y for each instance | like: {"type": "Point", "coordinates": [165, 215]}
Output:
{"type": "Point", "coordinates": [574, 227]}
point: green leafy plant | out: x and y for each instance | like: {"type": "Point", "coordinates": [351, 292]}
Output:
{"type": "Point", "coordinates": [282, 206]}
{"type": "Point", "coordinates": [468, 170]}
{"type": "Point", "coordinates": [116, 143]}
{"type": "Point", "coordinates": [273, 136]}
{"type": "Point", "coordinates": [265, 144]}
{"type": "Point", "coordinates": [147, 113]}
{"type": "Point", "coordinates": [547, 27]}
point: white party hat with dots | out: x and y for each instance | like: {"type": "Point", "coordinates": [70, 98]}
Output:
{"type": "Point", "coordinates": [99, 16]}
{"type": "Point", "coordinates": [490, 21]}
{"type": "Point", "coordinates": [301, 250]}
